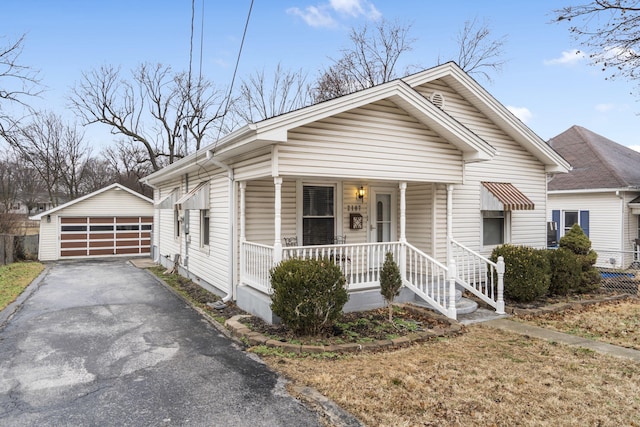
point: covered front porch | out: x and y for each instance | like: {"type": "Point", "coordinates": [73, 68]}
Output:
{"type": "Point", "coordinates": [377, 217]}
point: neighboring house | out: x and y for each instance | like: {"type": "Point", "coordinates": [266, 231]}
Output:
{"type": "Point", "coordinates": [113, 221]}
{"type": "Point", "coordinates": [601, 194]}
{"type": "Point", "coordinates": [430, 167]}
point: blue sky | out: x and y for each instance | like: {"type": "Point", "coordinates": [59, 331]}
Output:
{"type": "Point", "coordinates": [544, 82]}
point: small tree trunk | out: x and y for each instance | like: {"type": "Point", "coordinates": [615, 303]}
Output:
{"type": "Point", "coordinates": [390, 312]}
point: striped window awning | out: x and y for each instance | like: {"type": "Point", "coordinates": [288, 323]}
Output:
{"type": "Point", "coordinates": [503, 196]}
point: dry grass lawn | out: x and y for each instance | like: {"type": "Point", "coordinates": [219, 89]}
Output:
{"type": "Point", "coordinates": [616, 323]}
{"type": "Point", "coordinates": [484, 377]}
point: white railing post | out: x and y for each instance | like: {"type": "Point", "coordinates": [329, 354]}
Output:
{"type": "Point", "coordinates": [500, 297]}
{"type": "Point", "coordinates": [451, 310]}
{"type": "Point", "coordinates": [403, 234]}
{"type": "Point", "coordinates": [277, 245]}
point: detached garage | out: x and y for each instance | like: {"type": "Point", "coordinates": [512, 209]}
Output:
{"type": "Point", "coordinates": [113, 221]}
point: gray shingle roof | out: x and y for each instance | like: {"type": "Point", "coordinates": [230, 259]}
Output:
{"type": "Point", "coordinates": [597, 162]}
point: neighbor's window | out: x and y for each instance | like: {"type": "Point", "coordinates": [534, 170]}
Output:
{"type": "Point", "coordinates": [570, 218]}
{"type": "Point", "coordinates": [493, 228]}
{"type": "Point", "coordinates": [318, 217]}
{"type": "Point", "coordinates": [204, 227]}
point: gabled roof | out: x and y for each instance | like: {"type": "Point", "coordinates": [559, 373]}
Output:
{"type": "Point", "coordinates": [90, 195]}
{"type": "Point", "coordinates": [598, 162]}
{"type": "Point", "coordinates": [402, 93]}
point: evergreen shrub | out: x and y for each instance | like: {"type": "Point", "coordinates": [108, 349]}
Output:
{"type": "Point", "coordinates": [527, 273]}
{"type": "Point", "coordinates": [308, 295]}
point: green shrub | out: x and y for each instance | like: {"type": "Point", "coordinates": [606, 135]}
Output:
{"type": "Point", "coordinates": [577, 242]}
{"type": "Point", "coordinates": [390, 281]}
{"type": "Point", "coordinates": [526, 276]}
{"type": "Point", "coordinates": [308, 295]}
{"type": "Point", "coordinates": [566, 271]}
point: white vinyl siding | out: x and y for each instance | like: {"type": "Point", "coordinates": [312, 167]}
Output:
{"type": "Point", "coordinates": [419, 220]}
{"type": "Point", "coordinates": [379, 141]}
{"type": "Point", "coordinates": [605, 216]}
{"type": "Point", "coordinates": [512, 164]}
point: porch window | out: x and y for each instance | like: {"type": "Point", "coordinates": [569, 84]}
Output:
{"type": "Point", "coordinates": [318, 216]}
{"type": "Point", "coordinates": [493, 228]}
{"type": "Point", "coordinates": [204, 227]}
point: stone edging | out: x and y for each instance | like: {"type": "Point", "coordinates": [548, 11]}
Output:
{"type": "Point", "coordinates": [241, 331]}
{"type": "Point", "coordinates": [573, 305]}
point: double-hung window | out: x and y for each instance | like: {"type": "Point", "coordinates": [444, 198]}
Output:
{"type": "Point", "coordinates": [318, 215]}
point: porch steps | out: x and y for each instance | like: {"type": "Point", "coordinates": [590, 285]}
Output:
{"type": "Point", "coordinates": [463, 305]}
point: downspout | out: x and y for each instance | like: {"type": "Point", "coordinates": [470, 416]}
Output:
{"type": "Point", "coordinates": [231, 197]}
{"type": "Point", "coordinates": [622, 226]}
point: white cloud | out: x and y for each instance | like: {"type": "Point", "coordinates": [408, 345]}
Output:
{"type": "Point", "coordinates": [603, 108]}
{"type": "Point", "coordinates": [569, 57]}
{"type": "Point", "coordinates": [314, 16]}
{"type": "Point", "coordinates": [522, 113]}
{"type": "Point", "coordinates": [635, 147]}
{"type": "Point", "coordinates": [321, 15]}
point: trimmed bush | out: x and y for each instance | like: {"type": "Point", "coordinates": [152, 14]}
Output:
{"type": "Point", "coordinates": [566, 271]}
{"type": "Point", "coordinates": [527, 273]}
{"type": "Point", "coordinates": [308, 295]}
{"type": "Point", "coordinates": [390, 281]}
{"type": "Point", "coordinates": [577, 242]}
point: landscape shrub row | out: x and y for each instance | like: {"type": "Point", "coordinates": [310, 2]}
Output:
{"type": "Point", "coordinates": [535, 273]}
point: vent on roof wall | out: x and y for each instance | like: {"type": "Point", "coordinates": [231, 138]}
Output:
{"type": "Point", "coordinates": [437, 99]}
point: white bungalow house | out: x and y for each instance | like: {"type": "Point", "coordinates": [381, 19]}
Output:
{"type": "Point", "coordinates": [430, 167]}
{"type": "Point", "coordinates": [601, 194]}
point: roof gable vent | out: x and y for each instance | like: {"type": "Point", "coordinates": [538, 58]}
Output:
{"type": "Point", "coordinates": [437, 99]}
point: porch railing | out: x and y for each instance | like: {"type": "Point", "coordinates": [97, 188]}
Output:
{"type": "Point", "coordinates": [430, 279]}
{"type": "Point", "coordinates": [479, 275]}
{"type": "Point", "coordinates": [256, 261]}
{"type": "Point", "coordinates": [360, 263]}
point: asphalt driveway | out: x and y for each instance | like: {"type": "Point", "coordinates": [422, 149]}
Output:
{"type": "Point", "coordinates": [103, 343]}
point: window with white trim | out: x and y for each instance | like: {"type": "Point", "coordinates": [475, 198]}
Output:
{"type": "Point", "coordinates": [204, 227]}
{"type": "Point", "coordinates": [495, 228]}
{"type": "Point", "coordinates": [318, 215]}
{"type": "Point", "coordinates": [570, 218]}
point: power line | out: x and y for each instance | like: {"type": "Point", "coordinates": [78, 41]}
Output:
{"type": "Point", "coordinates": [233, 79]}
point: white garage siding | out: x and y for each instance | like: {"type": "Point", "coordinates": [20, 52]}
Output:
{"type": "Point", "coordinates": [124, 212]}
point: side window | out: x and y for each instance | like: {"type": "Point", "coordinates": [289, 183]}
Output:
{"type": "Point", "coordinates": [176, 222]}
{"type": "Point", "coordinates": [204, 227]}
{"type": "Point", "coordinates": [493, 228]}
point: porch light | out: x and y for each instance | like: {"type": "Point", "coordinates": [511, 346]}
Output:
{"type": "Point", "coordinates": [360, 193]}
{"type": "Point", "coordinates": [48, 218]}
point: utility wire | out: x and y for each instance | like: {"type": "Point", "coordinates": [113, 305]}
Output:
{"type": "Point", "coordinates": [226, 108]}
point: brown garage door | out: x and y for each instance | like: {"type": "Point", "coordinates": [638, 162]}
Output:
{"type": "Point", "coordinates": [105, 236]}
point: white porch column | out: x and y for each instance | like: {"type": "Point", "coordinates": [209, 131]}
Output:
{"type": "Point", "coordinates": [403, 232]}
{"type": "Point", "coordinates": [449, 219]}
{"type": "Point", "coordinates": [243, 217]}
{"type": "Point", "coordinates": [403, 212]}
{"type": "Point", "coordinates": [277, 244]}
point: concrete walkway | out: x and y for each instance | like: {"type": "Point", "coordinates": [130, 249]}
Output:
{"type": "Point", "coordinates": [559, 337]}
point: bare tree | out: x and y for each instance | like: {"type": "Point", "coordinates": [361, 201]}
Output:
{"type": "Point", "coordinates": [611, 29]}
{"type": "Point", "coordinates": [129, 165]}
{"type": "Point", "coordinates": [55, 151]}
{"type": "Point", "coordinates": [17, 83]}
{"type": "Point", "coordinates": [478, 52]}
{"type": "Point", "coordinates": [261, 97]}
{"type": "Point", "coordinates": [9, 184]}
{"type": "Point", "coordinates": [371, 60]}
{"type": "Point", "coordinates": [153, 108]}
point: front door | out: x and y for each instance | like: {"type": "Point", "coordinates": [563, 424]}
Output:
{"type": "Point", "coordinates": [383, 215]}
